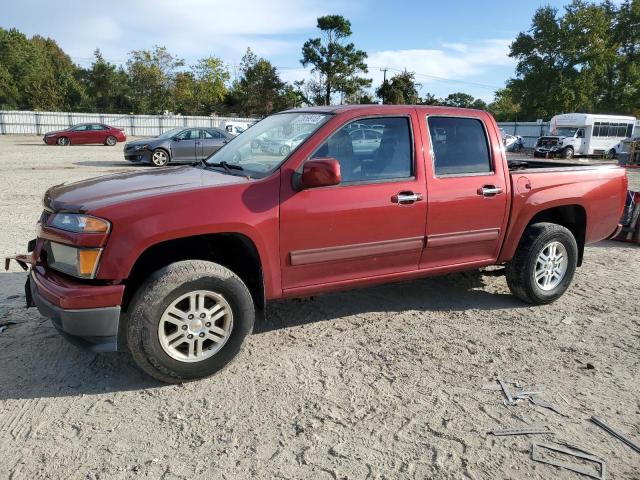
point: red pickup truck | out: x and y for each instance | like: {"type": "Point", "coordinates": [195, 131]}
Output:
{"type": "Point", "coordinates": [173, 264]}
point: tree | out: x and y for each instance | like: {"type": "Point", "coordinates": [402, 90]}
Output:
{"type": "Point", "coordinates": [152, 75]}
{"type": "Point", "coordinates": [430, 99]}
{"type": "Point", "coordinates": [504, 108]}
{"type": "Point", "coordinates": [583, 60]}
{"type": "Point", "coordinates": [401, 89]}
{"type": "Point", "coordinates": [338, 63]}
{"type": "Point", "coordinates": [107, 87]}
{"type": "Point", "coordinates": [36, 74]}
{"type": "Point", "coordinates": [459, 99]}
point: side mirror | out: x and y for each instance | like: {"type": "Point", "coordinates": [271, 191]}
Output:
{"type": "Point", "coordinates": [319, 172]}
{"type": "Point", "coordinates": [176, 139]}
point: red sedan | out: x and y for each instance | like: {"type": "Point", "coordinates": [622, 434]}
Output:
{"type": "Point", "coordinates": [86, 133]}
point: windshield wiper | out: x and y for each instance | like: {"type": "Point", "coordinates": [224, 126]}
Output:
{"type": "Point", "coordinates": [227, 166]}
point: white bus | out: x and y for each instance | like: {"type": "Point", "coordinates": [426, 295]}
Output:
{"type": "Point", "coordinates": [585, 134]}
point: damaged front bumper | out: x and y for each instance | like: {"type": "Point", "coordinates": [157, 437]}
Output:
{"type": "Point", "coordinates": [87, 315]}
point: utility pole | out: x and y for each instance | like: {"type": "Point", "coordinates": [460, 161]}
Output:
{"type": "Point", "coordinates": [384, 81]}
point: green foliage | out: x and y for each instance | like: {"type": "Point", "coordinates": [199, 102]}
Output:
{"type": "Point", "coordinates": [35, 74]}
{"type": "Point", "coordinates": [338, 63]}
{"type": "Point", "coordinates": [504, 107]}
{"type": "Point", "coordinates": [152, 75]}
{"type": "Point", "coordinates": [106, 86]}
{"type": "Point", "coordinates": [584, 60]}
{"type": "Point", "coordinates": [401, 89]}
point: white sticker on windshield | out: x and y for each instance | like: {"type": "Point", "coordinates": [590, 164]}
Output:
{"type": "Point", "coordinates": [310, 118]}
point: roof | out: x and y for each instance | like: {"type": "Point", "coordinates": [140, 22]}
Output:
{"type": "Point", "coordinates": [380, 108]}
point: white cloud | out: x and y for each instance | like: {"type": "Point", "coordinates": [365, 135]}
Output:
{"type": "Point", "coordinates": [188, 28]}
{"type": "Point", "coordinates": [454, 61]}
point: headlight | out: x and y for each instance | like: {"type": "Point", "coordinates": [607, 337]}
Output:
{"type": "Point", "coordinates": [79, 262]}
{"type": "Point", "coordinates": [140, 147]}
{"type": "Point", "coordinates": [77, 223]}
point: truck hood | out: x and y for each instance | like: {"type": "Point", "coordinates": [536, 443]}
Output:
{"type": "Point", "coordinates": [94, 193]}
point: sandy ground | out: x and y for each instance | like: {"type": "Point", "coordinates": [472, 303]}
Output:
{"type": "Point", "coordinates": [383, 382]}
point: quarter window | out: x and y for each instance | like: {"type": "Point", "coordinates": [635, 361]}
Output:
{"type": "Point", "coordinates": [459, 146]}
{"type": "Point", "coordinates": [371, 149]}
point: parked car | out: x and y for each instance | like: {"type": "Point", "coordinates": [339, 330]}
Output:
{"type": "Point", "coordinates": [178, 145]}
{"type": "Point", "coordinates": [236, 128]}
{"type": "Point", "coordinates": [173, 265]}
{"type": "Point", "coordinates": [282, 146]}
{"type": "Point", "coordinates": [85, 133]}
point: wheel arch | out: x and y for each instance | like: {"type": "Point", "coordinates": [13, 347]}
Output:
{"type": "Point", "coordinates": [235, 251]}
{"type": "Point", "coordinates": [573, 217]}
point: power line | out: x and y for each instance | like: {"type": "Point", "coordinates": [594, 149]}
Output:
{"type": "Point", "coordinates": [443, 79]}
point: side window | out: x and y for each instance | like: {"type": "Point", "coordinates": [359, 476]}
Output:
{"type": "Point", "coordinates": [596, 129]}
{"type": "Point", "coordinates": [97, 126]}
{"type": "Point", "coordinates": [580, 133]}
{"type": "Point", "coordinates": [368, 154]}
{"type": "Point", "coordinates": [210, 134]}
{"type": "Point", "coordinates": [629, 131]}
{"type": "Point", "coordinates": [459, 146]}
{"type": "Point", "coordinates": [192, 134]}
{"type": "Point", "coordinates": [80, 128]}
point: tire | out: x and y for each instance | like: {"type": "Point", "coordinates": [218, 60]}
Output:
{"type": "Point", "coordinates": [146, 324]}
{"type": "Point", "coordinates": [110, 141]}
{"type": "Point", "coordinates": [285, 150]}
{"type": "Point", "coordinates": [521, 270]}
{"type": "Point", "coordinates": [160, 158]}
{"type": "Point", "coordinates": [568, 153]}
{"type": "Point", "coordinates": [611, 154]}
{"type": "Point", "coordinates": [63, 141]}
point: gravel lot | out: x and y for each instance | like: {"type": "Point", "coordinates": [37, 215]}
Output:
{"type": "Point", "coordinates": [383, 382]}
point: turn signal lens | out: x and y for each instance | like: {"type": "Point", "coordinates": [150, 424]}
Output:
{"type": "Point", "coordinates": [87, 261]}
{"type": "Point", "coordinates": [77, 223]}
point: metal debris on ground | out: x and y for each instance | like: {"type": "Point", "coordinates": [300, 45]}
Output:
{"type": "Point", "coordinates": [615, 433]}
{"type": "Point", "coordinates": [538, 456]}
{"type": "Point", "coordinates": [507, 394]}
{"type": "Point", "coordinates": [522, 431]}
{"type": "Point", "coordinates": [543, 403]}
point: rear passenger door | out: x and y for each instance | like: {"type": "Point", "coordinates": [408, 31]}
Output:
{"type": "Point", "coordinates": [210, 142]}
{"type": "Point", "coordinates": [467, 189]}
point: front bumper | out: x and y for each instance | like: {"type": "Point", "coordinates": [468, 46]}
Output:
{"type": "Point", "coordinates": [546, 152]}
{"type": "Point", "coordinates": [92, 328]}
{"type": "Point", "coordinates": [137, 156]}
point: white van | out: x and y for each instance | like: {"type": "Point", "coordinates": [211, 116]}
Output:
{"type": "Point", "coordinates": [584, 134]}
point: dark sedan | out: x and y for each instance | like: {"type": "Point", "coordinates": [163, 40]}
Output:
{"type": "Point", "coordinates": [179, 145]}
{"type": "Point", "coordinates": [86, 133]}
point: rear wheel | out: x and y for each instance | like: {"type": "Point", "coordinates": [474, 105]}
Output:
{"type": "Point", "coordinates": [544, 264]}
{"type": "Point", "coordinates": [63, 141]}
{"type": "Point", "coordinates": [568, 153]}
{"type": "Point", "coordinates": [189, 320]}
{"type": "Point", "coordinates": [159, 157]}
{"type": "Point", "coordinates": [110, 141]}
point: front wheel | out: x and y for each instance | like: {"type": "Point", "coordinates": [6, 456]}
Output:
{"type": "Point", "coordinates": [544, 263]}
{"type": "Point", "coordinates": [189, 320]}
{"type": "Point", "coordinates": [159, 157]}
{"type": "Point", "coordinates": [284, 150]}
{"type": "Point", "coordinates": [568, 153]}
{"type": "Point", "coordinates": [63, 141]}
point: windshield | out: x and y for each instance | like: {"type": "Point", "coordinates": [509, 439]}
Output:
{"type": "Point", "coordinates": [263, 147]}
{"type": "Point", "coordinates": [566, 131]}
{"type": "Point", "coordinates": [170, 133]}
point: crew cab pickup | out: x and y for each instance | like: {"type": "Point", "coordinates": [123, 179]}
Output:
{"type": "Point", "coordinates": [174, 264]}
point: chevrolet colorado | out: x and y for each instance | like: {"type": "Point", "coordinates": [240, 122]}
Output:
{"type": "Point", "coordinates": [174, 264]}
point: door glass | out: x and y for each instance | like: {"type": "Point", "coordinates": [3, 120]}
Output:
{"type": "Point", "coordinates": [192, 134]}
{"type": "Point", "coordinates": [459, 146]}
{"type": "Point", "coordinates": [80, 128]}
{"type": "Point", "coordinates": [386, 155]}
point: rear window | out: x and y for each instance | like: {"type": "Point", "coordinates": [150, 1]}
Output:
{"type": "Point", "coordinates": [459, 146]}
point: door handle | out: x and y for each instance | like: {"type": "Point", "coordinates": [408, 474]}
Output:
{"type": "Point", "coordinates": [489, 191]}
{"type": "Point", "coordinates": [406, 198]}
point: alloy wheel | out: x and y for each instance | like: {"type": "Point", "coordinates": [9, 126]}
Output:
{"type": "Point", "coordinates": [551, 266]}
{"type": "Point", "coordinates": [195, 326]}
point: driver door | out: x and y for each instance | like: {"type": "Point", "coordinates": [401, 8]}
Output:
{"type": "Point", "coordinates": [183, 145]}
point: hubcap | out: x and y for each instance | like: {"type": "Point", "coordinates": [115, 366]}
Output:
{"type": "Point", "coordinates": [195, 326]}
{"type": "Point", "coordinates": [551, 266]}
{"type": "Point", "coordinates": [111, 141]}
{"type": "Point", "coordinates": [159, 158]}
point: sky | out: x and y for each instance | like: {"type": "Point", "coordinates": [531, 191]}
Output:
{"type": "Point", "coordinates": [455, 45]}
